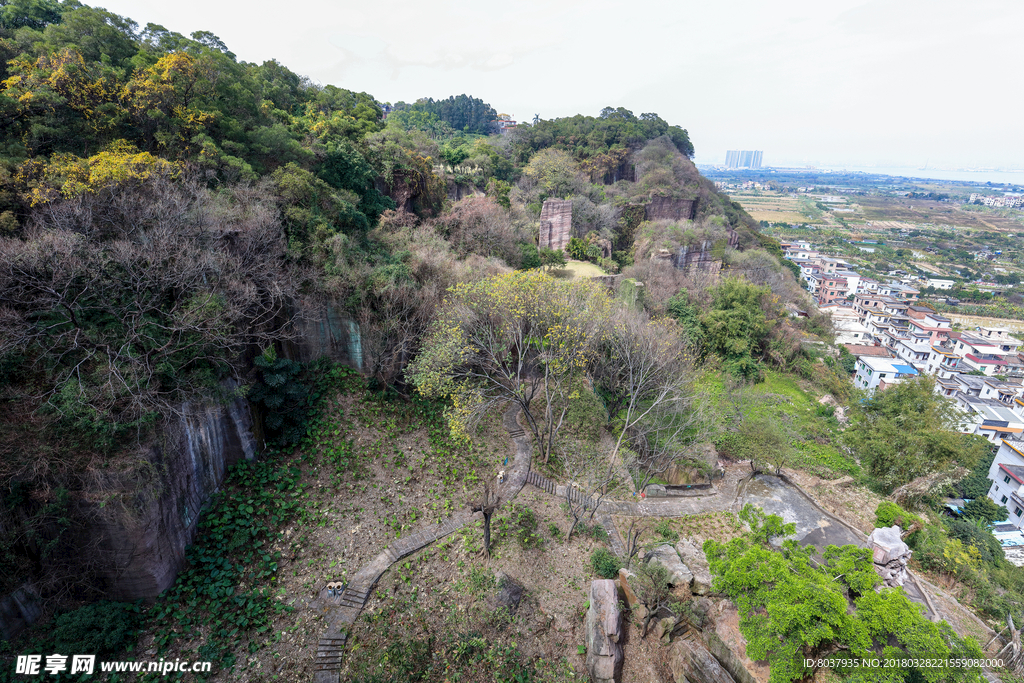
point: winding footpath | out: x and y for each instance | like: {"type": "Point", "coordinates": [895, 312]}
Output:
{"type": "Point", "coordinates": [344, 609]}
{"type": "Point", "coordinates": [815, 526]}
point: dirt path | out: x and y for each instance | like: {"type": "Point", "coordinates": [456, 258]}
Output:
{"type": "Point", "coordinates": [782, 496]}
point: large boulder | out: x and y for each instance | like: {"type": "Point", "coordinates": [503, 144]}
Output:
{"type": "Point", "coordinates": [690, 662]}
{"type": "Point", "coordinates": [666, 556]}
{"type": "Point", "coordinates": [604, 652]}
{"type": "Point", "coordinates": [697, 562]}
{"type": "Point", "coordinates": [628, 595]}
{"type": "Point", "coordinates": [890, 555]}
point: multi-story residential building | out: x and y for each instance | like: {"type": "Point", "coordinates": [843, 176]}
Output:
{"type": "Point", "coordinates": [935, 326]}
{"type": "Point", "coordinates": [943, 363]}
{"type": "Point", "coordinates": [831, 289]}
{"type": "Point", "coordinates": [903, 292]}
{"type": "Point", "coordinates": [852, 281]}
{"type": "Point", "coordinates": [988, 417]}
{"type": "Point", "coordinates": [851, 332]}
{"type": "Point", "coordinates": [940, 283]}
{"type": "Point", "coordinates": [881, 373]}
{"type": "Point", "coordinates": [1007, 476]}
{"type": "Point", "coordinates": [988, 354]}
{"type": "Point", "coordinates": [914, 352]}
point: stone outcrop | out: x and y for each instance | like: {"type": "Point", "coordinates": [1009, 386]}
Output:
{"type": "Point", "coordinates": [143, 555]}
{"type": "Point", "coordinates": [18, 611]}
{"type": "Point", "coordinates": [555, 224]}
{"type": "Point", "coordinates": [666, 556]}
{"type": "Point", "coordinates": [691, 662]}
{"type": "Point", "coordinates": [603, 633]}
{"type": "Point", "coordinates": [695, 560]}
{"type": "Point", "coordinates": [326, 331]}
{"type": "Point", "coordinates": [670, 208]}
{"type": "Point", "coordinates": [890, 555]}
{"type": "Point", "coordinates": [627, 594]}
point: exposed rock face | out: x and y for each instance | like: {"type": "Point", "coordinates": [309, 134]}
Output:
{"type": "Point", "coordinates": [604, 653]}
{"type": "Point", "coordinates": [670, 208]}
{"type": "Point", "coordinates": [193, 456]}
{"type": "Point", "coordinates": [690, 662]}
{"type": "Point", "coordinates": [18, 610]}
{"type": "Point", "coordinates": [695, 560]}
{"type": "Point", "coordinates": [663, 629]}
{"type": "Point", "coordinates": [327, 331]}
{"type": "Point", "coordinates": [890, 555]}
{"type": "Point", "coordinates": [666, 556]}
{"type": "Point", "coordinates": [628, 596]}
{"type": "Point", "coordinates": [555, 224]}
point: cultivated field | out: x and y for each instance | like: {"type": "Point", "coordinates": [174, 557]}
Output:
{"type": "Point", "coordinates": [773, 208]}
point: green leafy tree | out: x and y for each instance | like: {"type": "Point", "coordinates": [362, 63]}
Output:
{"type": "Point", "coordinates": [908, 431]}
{"type": "Point", "coordinates": [514, 337]}
{"type": "Point", "coordinates": [551, 258]}
{"type": "Point", "coordinates": [736, 327]}
{"type": "Point", "coordinates": [793, 608]}
{"type": "Point", "coordinates": [985, 510]}
{"type": "Point", "coordinates": [281, 397]}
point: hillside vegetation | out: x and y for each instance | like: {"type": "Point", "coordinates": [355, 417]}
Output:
{"type": "Point", "coordinates": [172, 219]}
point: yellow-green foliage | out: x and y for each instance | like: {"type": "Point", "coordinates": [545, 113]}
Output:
{"type": "Point", "coordinates": [493, 337]}
{"type": "Point", "coordinates": [67, 175]}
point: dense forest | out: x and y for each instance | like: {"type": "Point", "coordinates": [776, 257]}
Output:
{"type": "Point", "coordinates": [172, 219]}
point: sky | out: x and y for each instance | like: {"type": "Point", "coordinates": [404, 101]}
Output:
{"type": "Point", "coordinates": [844, 82]}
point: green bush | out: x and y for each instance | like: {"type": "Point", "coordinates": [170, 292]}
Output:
{"type": "Point", "coordinates": [888, 513]}
{"type": "Point", "coordinates": [666, 532]}
{"type": "Point", "coordinates": [970, 533]}
{"type": "Point", "coordinates": [519, 522]}
{"type": "Point", "coordinates": [985, 510]}
{"type": "Point", "coordinates": [605, 564]}
{"type": "Point", "coordinates": [283, 399]}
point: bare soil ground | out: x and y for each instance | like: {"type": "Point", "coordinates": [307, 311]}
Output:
{"type": "Point", "coordinates": [380, 470]}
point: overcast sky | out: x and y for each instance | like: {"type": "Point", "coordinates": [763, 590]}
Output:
{"type": "Point", "coordinates": [883, 82]}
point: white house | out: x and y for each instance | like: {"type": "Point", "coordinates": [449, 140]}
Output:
{"type": "Point", "coordinates": [1007, 477]}
{"type": "Point", "coordinates": [850, 332]}
{"type": "Point", "coordinates": [880, 373]}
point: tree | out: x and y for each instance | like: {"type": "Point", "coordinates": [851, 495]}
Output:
{"type": "Point", "coordinates": [650, 583]}
{"type": "Point", "coordinates": [645, 375]}
{"type": "Point", "coordinates": [138, 298]}
{"type": "Point", "coordinates": [793, 608]}
{"type": "Point", "coordinates": [550, 258]}
{"type": "Point", "coordinates": [908, 431]}
{"type": "Point", "coordinates": [513, 337]}
{"type": "Point", "coordinates": [588, 481]}
{"type": "Point", "coordinates": [736, 327]}
{"type": "Point", "coordinates": [986, 510]}
{"type": "Point", "coordinates": [487, 504]}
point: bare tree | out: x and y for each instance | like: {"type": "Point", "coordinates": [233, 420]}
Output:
{"type": "Point", "coordinates": [487, 504]}
{"type": "Point", "coordinates": [134, 319]}
{"type": "Point", "coordinates": [646, 373]}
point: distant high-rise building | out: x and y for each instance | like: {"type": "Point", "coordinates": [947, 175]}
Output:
{"type": "Point", "coordinates": [743, 159]}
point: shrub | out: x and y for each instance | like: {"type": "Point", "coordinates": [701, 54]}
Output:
{"type": "Point", "coordinates": [971, 534]}
{"type": "Point", "coordinates": [888, 513]}
{"type": "Point", "coordinates": [666, 532]}
{"type": "Point", "coordinates": [102, 628]}
{"type": "Point", "coordinates": [281, 396]}
{"type": "Point", "coordinates": [520, 522]}
{"type": "Point", "coordinates": [605, 564]}
{"type": "Point", "coordinates": [986, 510]}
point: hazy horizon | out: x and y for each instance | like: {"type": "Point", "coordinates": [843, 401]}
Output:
{"type": "Point", "coordinates": [851, 82]}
